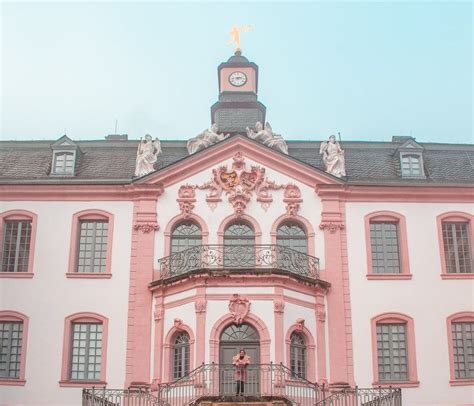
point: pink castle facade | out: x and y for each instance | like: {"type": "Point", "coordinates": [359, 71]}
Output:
{"type": "Point", "coordinates": [343, 281]}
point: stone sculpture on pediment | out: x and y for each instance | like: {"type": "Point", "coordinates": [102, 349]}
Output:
{"type": "Point", "coordinates": [266, 136]}
{"type": "Point", "coordinates": [207, 138]}
{"type": "Point", "coordinates": [147, 155]}
{"type": "Point", "coordinates": [333, 157]}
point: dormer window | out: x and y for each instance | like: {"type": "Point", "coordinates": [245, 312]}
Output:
{"type": "Point", "coordinates": [411, 158]}
{"type": "Point", "coordinates": [65, 157]}
{"type": "Point", "coordinates": [411, 165]}
{"type": "Point", "coordinates": [64, 163]}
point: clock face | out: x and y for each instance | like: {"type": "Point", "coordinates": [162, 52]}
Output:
{"type": "Point", "coordinates": [237, 79]}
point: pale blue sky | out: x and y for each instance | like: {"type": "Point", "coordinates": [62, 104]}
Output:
{"type": "Point", "coordinates": [367, 69]}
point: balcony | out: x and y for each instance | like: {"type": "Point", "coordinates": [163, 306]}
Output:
{"type": "Point", "coordinates": [238, 259]}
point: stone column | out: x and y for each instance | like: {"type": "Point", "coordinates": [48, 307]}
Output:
{"type": "Point", "coordinates": [279, 310]}
{"type": "Point", "coordinates": [320, 313]}
{"type": "Point", "coordinates": [200, 306]}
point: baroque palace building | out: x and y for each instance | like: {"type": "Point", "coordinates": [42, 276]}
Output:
{"type": "Point", "coordinates": [332, 265]}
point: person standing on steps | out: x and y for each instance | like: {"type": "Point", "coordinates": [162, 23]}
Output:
{"type": "Point", "coordinates": [240, 361]}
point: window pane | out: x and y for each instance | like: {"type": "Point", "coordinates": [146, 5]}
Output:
{"type": "Point", "coordinates": [181, 355]}
{"type": "Point", "coordinates": [385, 247]}
{"type": "Point", "coordinates": [239, 246]}
{"type": "Point", "coordinates": [86, 358]}
{"type": "Point", "coordinates": [392, 352]}
{"type": "Point", "coordinates": [185, 235]}
{"type": "Point", "coordinates": [411, 165]}
{"type": "Point", "coordinates": [457, 247]}
{"type": "Point", "coordinates": [10, 348]}
{"type": "Point", "coordinates": [298, 355]}
{"type": "Point", "coordinates": [16, 245]}
{"type": "Point", "coordinates": [64, 162]}
{"type": "Point", "coordinates": [92, 250]}
{"type": "Point", "coordinates": [463, 349]}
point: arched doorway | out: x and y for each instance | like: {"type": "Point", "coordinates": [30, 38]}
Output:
{"type": "Point", "coordinates": [233, 338]}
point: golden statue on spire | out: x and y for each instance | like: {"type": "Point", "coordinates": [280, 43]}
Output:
{"type": "Point", "coordinates": [235, 35]}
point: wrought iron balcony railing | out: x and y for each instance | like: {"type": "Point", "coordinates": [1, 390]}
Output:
{"type": "Point", "coordinates": [261, 258]}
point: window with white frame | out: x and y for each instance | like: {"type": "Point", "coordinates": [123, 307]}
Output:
{"type": "Point", "coordinates": [298, 355]}
{"type": "Point", "coordinates": [16, 245]}
{"type": "Point", "coordinates": [457, 247]}
{"type": "Point", "coordinates": [463, 349]}
{"type": "Point", "coordinates": [92, 250]}
{"type": "Point", "coordinates": [11, 335]}
{"type": "Point", "coordinates": [392, 352]}
{"type": "Point", "coordinates": [385, 247]}
{"type": "Point", "coordinates": [63, 163]}
{"type": "Point", "coordinates": [411, 165]}
{"type": "Point", "coordinates": [181, 355]}
{"type": "Point", "coordinates": [86, 351]}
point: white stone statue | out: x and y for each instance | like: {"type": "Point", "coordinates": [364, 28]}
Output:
{"type": "Point", "coordinates": [207, 138]}
{"type": "Point", "coordinates": [267, 137]}
{"type": "Point", "coordinates": [333, 157]}
{"type": "Point", "coordinates": [147, 155]}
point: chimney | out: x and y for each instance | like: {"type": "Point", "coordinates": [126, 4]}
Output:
{"type": "Point", "coordinates": [117, 137]}
{"type": "Point", "coordinates": [400, 139]}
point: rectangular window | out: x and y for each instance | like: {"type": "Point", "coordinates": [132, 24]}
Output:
{"type": "Point", "coordinates": [92, 252]}
{"type": "Point", "coordinates": [385, 249]}
{"type": "Point", "coordinates": [10, 351]}
{"type": "Point", "coordinates": [16, 246]}
{"type": "Point", "coordinates": [392, 352]}
{"type": "Point", "coordinates": [457, 247]}
{"type": "Point", "coordinates": [64, 163]}
{"type": "Point", "coordinates": [411, 165]}
{"type": "Point", "coordinates": [86, 351]}
{"type": "Point", "coordinates": [463, 349]}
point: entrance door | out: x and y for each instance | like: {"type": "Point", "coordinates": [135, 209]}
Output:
{"type": "Point", "coordinates": [232, 340]}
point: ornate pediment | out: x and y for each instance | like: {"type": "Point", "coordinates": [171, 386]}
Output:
{"type": "Point", "coordinates": [239, 308]}
{"type": "Point", "coordinates": [240, 183]}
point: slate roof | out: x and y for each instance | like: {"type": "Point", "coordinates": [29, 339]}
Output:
{"type": "Point", "coordinates": [114, 161]}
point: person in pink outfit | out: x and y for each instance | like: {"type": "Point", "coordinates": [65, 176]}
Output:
{"type": "Point", "coordinates": [241, 361]}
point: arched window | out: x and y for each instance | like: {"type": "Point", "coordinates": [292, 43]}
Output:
{"type": "Point", "coordinates": [181, 355]}
{"type": "Point", "coordinates": [293, 236]}
{"type": "Point", "coordinates": [298, 355]}
{"type": "Point", "coordinates": [185, 235]}
{"type": "Point", "coordinates": [239, 245]}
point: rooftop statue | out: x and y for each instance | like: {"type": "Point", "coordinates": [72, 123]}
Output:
{"type": "Point", "coordinates": [235, 34]}
{"type": "Point", "coordinates": [333, 157]}
{"type": "Point", "coordinates": [205, 139]}
{"type": "Point", "coordinates": [147, 155]}
{"type": "Point", "coordinates": [267, 137]}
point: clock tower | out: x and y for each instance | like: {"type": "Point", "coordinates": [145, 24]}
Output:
{"type": "Point", "coordinates": [238, 107]}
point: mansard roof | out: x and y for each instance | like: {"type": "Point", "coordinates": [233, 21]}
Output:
{"type": "Point", "coordinates": [368, 163]}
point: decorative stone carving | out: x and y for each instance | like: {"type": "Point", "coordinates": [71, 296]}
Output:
{"type": "Point", "coordinates": [147, 155]}
{"type": "Point", "coordinates": [200, 305]}
{"type": "Point", "coordinates": [279, 306]}
{"type": "Point", "coordinates": [186, 199]}
{"type": "Point", "coordinates": [177, 323]}
{"type": "Point", "coordinates": [146, 227]}
{"type": "Point", "coordinates": [158, 313]}
{"type": "Point", "coordinates": [333, 157]}
{"type": "Point", "coordinates": [267, 137]}
{"type": "Point", "coordinates": [292, 198]}
{"type": "Point", "coordinates": [331, 227]}
{"type": "Point", "coordinates": [239, 185]}
{"type": "Point", "coordinates": [300, 324]}
{"type": "Point", "coordinates": [321, 315]}
{"type": "Point", "coordinates": [239, 307]}
{"type": "Point", "coordinates": [205, 139]}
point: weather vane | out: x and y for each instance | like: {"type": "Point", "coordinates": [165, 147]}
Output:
{"type": "Point", "coordinates": [235, 35]}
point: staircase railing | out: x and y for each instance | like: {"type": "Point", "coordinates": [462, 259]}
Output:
{"type": "Point", "coordinates": [363, 397]}
{"type": "Point", "coordinates": [217, 381]}
{"type": "Point", "coordinates": [119, 397]}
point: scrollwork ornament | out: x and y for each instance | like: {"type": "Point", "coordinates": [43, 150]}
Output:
{"type": "Point", "coordinates": [279, 306]}
{"type": "Point", "coordinates": [200, 305]}
{"type": "Point", "coordinates": [146, 227]}
{"type": "Point", "coordinates": [331, 227]}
